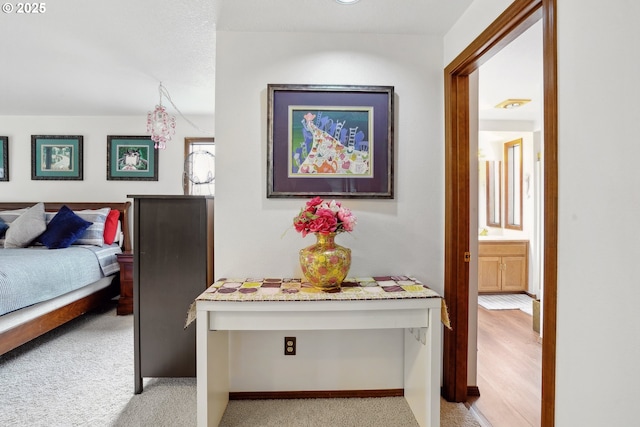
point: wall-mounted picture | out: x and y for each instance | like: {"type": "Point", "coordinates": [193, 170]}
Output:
{"type": "Point", "coordinates": [330, 141]}
{"type": "Point", "coordinates": [131, 158]}
{"type": "Point", "coordinates": [56, 157]}
{"type": "Point", "coordinates": [4, 158]}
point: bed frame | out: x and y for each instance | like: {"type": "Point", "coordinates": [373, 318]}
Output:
{"type": "Point", "coordinates": [42, 324]}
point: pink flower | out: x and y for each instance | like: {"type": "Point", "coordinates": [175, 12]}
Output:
{"type": "Point", "coordinates": [300, 226]}
{"type": "Point", "coordinates": [325, 222]}
{"type": "Point", "coordinates": [314, 202]}
{"type": "Point", "coordinates": [347, 218]}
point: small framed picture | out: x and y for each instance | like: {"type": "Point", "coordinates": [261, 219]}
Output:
{"type": "Point", "coordinates": [4, 158]}
{"type": "Point", "coordinates": [131, 158]}
{"type": "Point", "coordinates": [56, 157]}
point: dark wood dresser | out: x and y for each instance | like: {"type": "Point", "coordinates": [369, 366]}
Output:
{"type": "Point", "coordinates": [172, 265]}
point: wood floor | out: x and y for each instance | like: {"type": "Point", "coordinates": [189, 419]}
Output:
{"type": "Point", "coordinates": [509, 369]}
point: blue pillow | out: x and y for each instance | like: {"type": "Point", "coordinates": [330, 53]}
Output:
{"type": "Point", "coordinates": [3, 228]}
{"type": "Point", "coordinates": [64, 229]}
{"type": "Point", "coordinates": [94, 235]}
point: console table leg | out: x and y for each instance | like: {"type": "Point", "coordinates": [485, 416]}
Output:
{"type": "Point", "coordinates": [212, 366]}
{"type": "Point", "coordinates": [422, 369]}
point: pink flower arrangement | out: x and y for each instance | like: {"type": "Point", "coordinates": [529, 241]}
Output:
{"type": "Point", "coordinates": [319, 216]}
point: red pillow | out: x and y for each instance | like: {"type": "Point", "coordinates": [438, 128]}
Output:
{"type": "Point", "coordinates": [111, 226]}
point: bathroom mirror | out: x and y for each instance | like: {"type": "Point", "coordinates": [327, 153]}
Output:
{"type": "Point", "coordinates": [513, 184]}
{"type": "Point", "coordinates": [494, 193]}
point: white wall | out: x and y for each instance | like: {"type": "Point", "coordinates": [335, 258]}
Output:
{"type": "Point", "coordinates": [598, 272]}
{"type": "Point", "coordinates": [478, 16]}
{"type": "Point", "coordinates": [94, 186]}
{"type": "Point", "coordinates": [404, 235]}
{"type": "Point", "coordinates": [598, 333]}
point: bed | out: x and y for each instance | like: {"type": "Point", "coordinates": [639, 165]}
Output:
{"type": "Point", "coordinates": [21, 325]}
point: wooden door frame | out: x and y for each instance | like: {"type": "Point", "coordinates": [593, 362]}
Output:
{"type": "Point", "coordinates": [507, 27]}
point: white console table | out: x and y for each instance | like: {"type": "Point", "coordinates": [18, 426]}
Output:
{"type": "Point", "coordinates": [275, 304]}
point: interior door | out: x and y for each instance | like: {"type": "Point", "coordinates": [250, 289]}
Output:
{"type": "Point", "coordinates": [512, 22]}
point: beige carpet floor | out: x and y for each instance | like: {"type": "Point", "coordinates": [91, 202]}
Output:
{"type": "Point", "coordinates": [82, 375]}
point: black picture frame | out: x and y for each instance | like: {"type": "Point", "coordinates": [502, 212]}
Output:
{"type": "Point", "coordinates": [56, 157]}
{"type": "Point", "coordinates": [4, 158]}
{"type": "Point", "coordinates": [330, 140]}
{"type": "Point", "coordinates": [131, 158]}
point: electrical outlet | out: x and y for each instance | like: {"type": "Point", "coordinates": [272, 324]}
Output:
{"type": "Point", "coordinates": [289, 346]}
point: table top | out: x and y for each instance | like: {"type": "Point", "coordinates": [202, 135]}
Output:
{"type": "Point", "coordinates": [374, 288]}
{"type": "Point", "coordinates": [279, 289]}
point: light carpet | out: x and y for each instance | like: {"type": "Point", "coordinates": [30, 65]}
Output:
{"type": "Point", "coordinates": [81, 374]}
{"type": "Point", "coordinates": [521, 302]}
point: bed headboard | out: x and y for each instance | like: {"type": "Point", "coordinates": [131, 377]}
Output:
{"type": "Point", "coordinates": [123, 207]}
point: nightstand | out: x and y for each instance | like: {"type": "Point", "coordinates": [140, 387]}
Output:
{"type": "Point", "coordinates": [125, 302]}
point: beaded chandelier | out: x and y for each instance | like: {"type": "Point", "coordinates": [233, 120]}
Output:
{"type": "Point", "coordinates": [160, 124]}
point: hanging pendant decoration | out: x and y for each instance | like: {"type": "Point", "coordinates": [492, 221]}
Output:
{"type": "Point", "coordinates": [160, 124]}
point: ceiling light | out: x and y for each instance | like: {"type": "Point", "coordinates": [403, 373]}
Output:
{"type": "Point", "coordinates": [347, 1]}
{"type": "Point", "coordinates": [509, 104]}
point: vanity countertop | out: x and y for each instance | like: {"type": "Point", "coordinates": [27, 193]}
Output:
{"type": "Point", "coordinates": [498, 238]}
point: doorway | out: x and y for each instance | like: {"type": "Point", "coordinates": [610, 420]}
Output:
{"type": "Point", "coordinates": [507, 363]}
{"type": "Point", "coordinates": [508, 26]}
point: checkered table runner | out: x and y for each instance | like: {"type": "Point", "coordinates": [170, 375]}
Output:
{"type": "Point", "coordinates": [283, 289]}
{"type": "Point", "coordinates": [360, 288]}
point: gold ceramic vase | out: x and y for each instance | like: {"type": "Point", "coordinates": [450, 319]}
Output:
{"type": "Point", "coordinates": [325, 264]}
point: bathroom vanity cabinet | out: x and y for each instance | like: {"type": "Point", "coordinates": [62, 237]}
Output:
{"type": "Point", "coordinates": [503, 265]}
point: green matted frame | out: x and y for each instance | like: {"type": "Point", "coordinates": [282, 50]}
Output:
{"type": "Point", "coordinates": [4, 158]}
{"type": "Point", "coordinates": [56, 157]}
{"type": "Point", "coordinates": [131, 158]}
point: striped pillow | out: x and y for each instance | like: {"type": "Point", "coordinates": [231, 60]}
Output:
{"type": "Point", "coordinates": [94, 235]}
{"type": "Point", "coordinates": [10, 216]}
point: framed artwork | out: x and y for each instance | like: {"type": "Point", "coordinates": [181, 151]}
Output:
{"type": "Point", "coordinates": [4, 158]}
{"type": "Point", "coordinates": [56, 157]}
{"type": "Point", "coordinates": [330, 141]}
{"type": "Point", "coordinates": [131, 158]}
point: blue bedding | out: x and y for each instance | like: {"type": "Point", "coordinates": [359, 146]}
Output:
{"type": "Point", "coordinates": [36, 274]}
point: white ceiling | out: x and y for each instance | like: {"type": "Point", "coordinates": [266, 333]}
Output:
{"type": "Point", "coordinates": [514, 72]}
{"type": "Point", "coordinates": [90, 57]}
